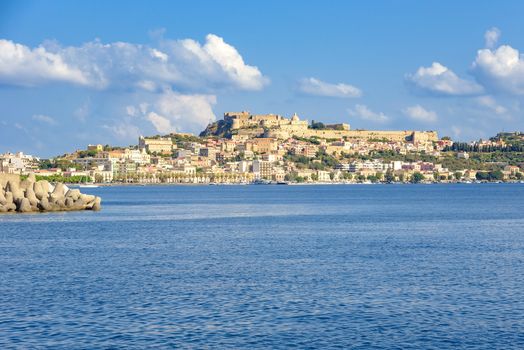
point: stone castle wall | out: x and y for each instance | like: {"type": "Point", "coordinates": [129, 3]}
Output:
{"type": "Point", "coordinates": [283, 128]}
{"type": "Point", "coordinates": [393, 136]}
{"type": "Point", "coordinates": [246, 120]}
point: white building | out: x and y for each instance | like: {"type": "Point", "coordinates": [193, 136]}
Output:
{"type": "Point", "coordinates": [18, 163]}
{"type": "Point", "coordinates": [137, 156]}
{"type": "Point", "coordinates": [262, 169]}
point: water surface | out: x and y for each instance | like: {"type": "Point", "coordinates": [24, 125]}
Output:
{"type": "Point", "coordinates": [376, 266]}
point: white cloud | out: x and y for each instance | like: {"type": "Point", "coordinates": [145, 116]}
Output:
{"type": "Point", "coordinates": [363, 112]}
{"type": "Point", "coordinates": [500, 70]}
{"type": "Point", "coordinates": [162, 124]}
{"type": "Point", "coordinates": [158, 54]}
{"type": "Point", "coordinates": [440, 80]}
{"type": "Point", "coordinates": [420, 114]}
{"type": "Point", "coordinates": [184, 64]}
{"type": "Point", "coordinates": [228, 58]}
{"type": "Point", "coordinates": [44, 119]}
{"type": "Point", "coordinates": [123, 130]}
{"type": "Point", "coordinates": [172, 111]}
{"type": "Point", "coordinates": [23, 66]}
{"type": "Point", "coordinates": [146, 85]}
{"type": "Point", "coordinates": [186, 112]}
{"type": "Point", "coordinates": [313, 86]}
{"type": "Point", "coordinates": [491, 103]}
{"type": "Point", "coordinates": [491, 37]}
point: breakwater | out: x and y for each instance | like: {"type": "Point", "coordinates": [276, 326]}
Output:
{"type": "Point", "coordinates": [29, 195]}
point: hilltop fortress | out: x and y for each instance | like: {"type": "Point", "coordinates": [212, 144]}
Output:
{"type": "Point", "coordinates": [277, 126]}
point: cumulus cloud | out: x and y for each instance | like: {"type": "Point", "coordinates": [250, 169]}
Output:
{"type": "Point", "coordinates": [44, 119]}
{"type": "Point", "coordinates": [313, 86]}
{"type": "Point", "coordinates": [186, 112]}
{"type": "Point", "coordinates": [440, 80]}
{"type": "Point", "coordinates": [23, 66]}
{"type": "Point", "coordinates": [420, 114]}
{"type": "Point", "coordinates": [500, 70]}
{"type": "Point", "coordinates": [162, 124]}
{"type": "Point", "coordinates": [171, 111]}
{"type": "Point", "coordinates": [491, 104]}
{"type": "Point", "coordinates": [491, 37]}
{"type": "Point", "coordinates": [363, 112]}
{"type": "Point", "coordinates": [230, 61]}
{"type": "Point", "coordinates": [497, 71]}
{"type": "Point", "coordinates": [184, 64]}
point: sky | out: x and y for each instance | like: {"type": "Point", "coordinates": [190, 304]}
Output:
{"type": "Point", "coordinates": [74, 73]}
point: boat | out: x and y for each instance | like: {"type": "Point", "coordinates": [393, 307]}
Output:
{"type": "Point", "coordinates": [261, 182]}
{"type": "Point", "coordinates": [84, 184]}
{"type": "Point", "coordinates": [88, 185]}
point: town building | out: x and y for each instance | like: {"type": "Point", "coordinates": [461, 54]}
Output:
{"type": "Point", "coordinates": [159, 145]}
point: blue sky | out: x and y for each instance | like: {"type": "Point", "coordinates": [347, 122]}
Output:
{"type": "Point", "coordinates": [73, 73]}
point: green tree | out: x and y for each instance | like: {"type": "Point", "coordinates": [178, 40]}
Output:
{"type": "Point", "coordinates": [347, 176]}
{"type": "Point", "coordinates": [99, 178]}
{"type": "Point", "coordinates": [496, 175]}
{"type": "Point", "coordinates": [389, 177]}
{"type": "Point", "coordinates": [482, 175]}
{"type": "Point", "coordinates": [416, 177]}
{"type": "Point", "coordinates": [372, 178]}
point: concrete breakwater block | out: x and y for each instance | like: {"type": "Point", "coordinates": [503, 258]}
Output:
{"type": "Point", "coordinates": [29, 195]}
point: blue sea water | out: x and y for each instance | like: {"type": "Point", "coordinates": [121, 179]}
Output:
{"type": "Point", "coordinates": [361, 267]}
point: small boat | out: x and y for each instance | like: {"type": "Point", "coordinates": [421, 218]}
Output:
{"type": "Point", "coordinates": [261, 182]}
{"type": "Point", "coordinates": [88, 186]}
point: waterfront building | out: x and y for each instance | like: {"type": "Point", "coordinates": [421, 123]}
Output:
{"type": "Point", "coordinates": [323, 176]}
{"type": "Point", "coordinates": [186, 169]}
{"type": "Point", "coordinates": [262, 169]}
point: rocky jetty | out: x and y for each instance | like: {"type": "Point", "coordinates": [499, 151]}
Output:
{"type": "Point", "coordinates": [29, 195]}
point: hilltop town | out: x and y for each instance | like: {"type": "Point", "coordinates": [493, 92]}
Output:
{"type": "Point", "coordinates": [270, 148]}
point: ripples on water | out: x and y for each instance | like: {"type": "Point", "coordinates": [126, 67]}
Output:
{"type": "Point", "coordinates": [269, 267]}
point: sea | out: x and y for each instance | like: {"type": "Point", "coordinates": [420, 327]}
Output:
{"type": "Point", "coordinates": [269, 267]}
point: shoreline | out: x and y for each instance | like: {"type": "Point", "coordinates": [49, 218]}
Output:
{"type": "Point", "coordinates": [292, 184]}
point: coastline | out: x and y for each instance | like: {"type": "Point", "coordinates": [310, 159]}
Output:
{"type": "Point", "coordinates": [299, 184]}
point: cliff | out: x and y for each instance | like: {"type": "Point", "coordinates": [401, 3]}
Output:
{"type": "Point", "coordinates": [220, 128]}
{"type": "Point", "coordinates": [29, 195]}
